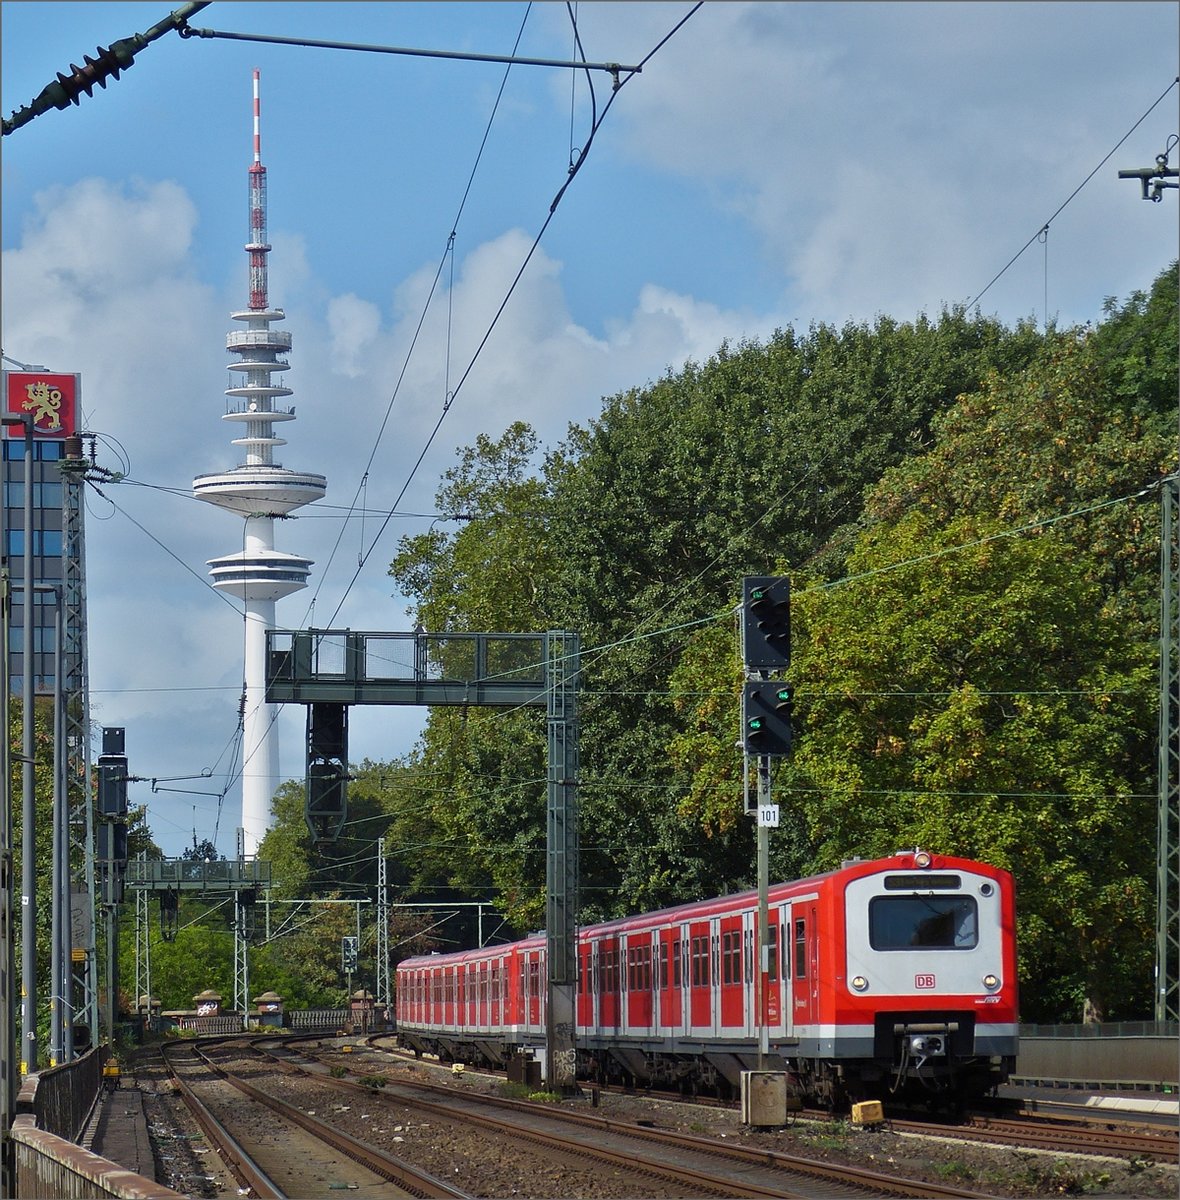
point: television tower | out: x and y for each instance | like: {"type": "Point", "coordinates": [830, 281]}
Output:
{"type": "Point", "coordinates": [259, 490]}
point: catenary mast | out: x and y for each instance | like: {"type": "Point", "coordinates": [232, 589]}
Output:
{"type": "Point", "coordinates": [259, 490]}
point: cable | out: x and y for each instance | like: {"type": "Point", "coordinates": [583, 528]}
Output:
{"type": "Point", "coordinates": [1044, 229]}
{"type": "Point", "coordinates": [147, 533]}
{"type": "Point", "coordinates": [503, 304]}
{"type": "Point", "coordinates": [448, 252]}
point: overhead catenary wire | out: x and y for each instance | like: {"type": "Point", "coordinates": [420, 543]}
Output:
{"type": "Point", "coordinates": [448, 402]}
{"type": "Point", "coordinates": [1043, 231]}
{"type": "Point", "coordinates": [447, 255]}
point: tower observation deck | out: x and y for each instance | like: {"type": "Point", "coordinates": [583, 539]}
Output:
{"type": "Point", "coordinates": [258, 490]}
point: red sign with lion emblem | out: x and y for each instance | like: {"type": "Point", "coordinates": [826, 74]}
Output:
{"type": "Point", "coordinates": [51, 399]}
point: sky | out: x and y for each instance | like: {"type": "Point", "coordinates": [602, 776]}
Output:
{"type": "Point", "coordinates": [772, 165]}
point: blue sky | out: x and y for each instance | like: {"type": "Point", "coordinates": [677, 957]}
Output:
{"type": "Point", "coordinates": [773, 165]}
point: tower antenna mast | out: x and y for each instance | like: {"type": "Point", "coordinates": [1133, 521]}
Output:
{"type": "Point", "coordinates": [259, 490]}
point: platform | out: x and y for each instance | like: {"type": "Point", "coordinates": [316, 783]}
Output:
{"type": "Point", "coordinates": [118, 1131]}
{"type": "Point", "coordinates": [1153, 1104]}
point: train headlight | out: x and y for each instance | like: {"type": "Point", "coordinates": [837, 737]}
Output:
{"type": "Point", "coordinates": [860, 983]}
{"type": "Point", "coordinates": [991, 982]}
{"type": "Point", "coordinates": [922, 858]}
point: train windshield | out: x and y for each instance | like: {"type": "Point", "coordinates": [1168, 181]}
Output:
{"type": "Point", "coordinates": [923, 922]}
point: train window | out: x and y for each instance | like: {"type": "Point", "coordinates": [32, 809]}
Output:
{"type": "Point", "coordinates": [610, 971]}
{"type": "Point", "coordinates": [800, 948]}
{"type": "Point", "coordinates": [731, 957]}
{"type": "Point", "coordinates": [677, 968]}
{"type": "Point", "coordinates": [699, 952]}
{"type": "Point", "coordinates": [926, 922]}
{"type": "Point", "coordinates": [772, 954]}
{"type": "Point", "coordinates": [663, 969]}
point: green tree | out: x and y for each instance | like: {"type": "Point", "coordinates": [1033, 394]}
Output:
{"type": "Point", "coordinates": [752, 462]}
{"type": "Point", "coordinates": [997, 698]}
{"type": "Point", "coordinates": [481, 772]}
{"type": "Point", "coordinates": [968, 692]}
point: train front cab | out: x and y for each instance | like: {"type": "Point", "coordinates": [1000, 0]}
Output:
{"type": "Point", "coordinates": [925, 1001]}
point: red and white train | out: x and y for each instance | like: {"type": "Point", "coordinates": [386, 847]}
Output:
{"type": "Point", "coordinates": [883, 977]}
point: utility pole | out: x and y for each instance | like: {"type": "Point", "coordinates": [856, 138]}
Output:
{"type": "Point", "coordinates": [1155, 180]}
{"type": "Point", "coordinates": [28, 839]}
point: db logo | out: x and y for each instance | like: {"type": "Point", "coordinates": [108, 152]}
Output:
{"type": "Point", "coordinates": [924, 981]}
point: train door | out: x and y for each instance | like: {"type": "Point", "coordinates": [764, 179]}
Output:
{"type": "Point", "coordinates": [682, 977]}
{"type": "Point", "coordinates": [669, 980]}
{"type": "Point", "coordinates": [533, 989]}
{"type": "Point", "coordinates": [584, 1004]}
{"type": "Point", "coordinates": [805, 963]}
{"type": "Point", "coordinates": [700, 983]}
{"type": "Point", "coordinates": [731, 985]}
{"type": "Point", "coordinates": [638, 982]}
{"type": "Point", "coordinates": [776, 982]}
{"type": "Point", "coordinates": [609, 998]}
{"type": "Point", "coordinates": [512, 975]}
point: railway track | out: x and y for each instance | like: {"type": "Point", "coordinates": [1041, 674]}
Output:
{"type": "Point", "coordinates": [277, 1151]}
{"type": "Point", "coordinates": [707, 1166]}
{"type": "Point", "coordinates": [1067, 1135]}
{"type": "Point", "coordinates": [1064, 1136]}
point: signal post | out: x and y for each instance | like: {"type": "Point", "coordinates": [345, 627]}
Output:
{"type": "Point", "coordinates": [766, 734]}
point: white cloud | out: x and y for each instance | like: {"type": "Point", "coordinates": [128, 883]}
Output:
{"type": "Point", "coordinates": [148, 338]}
{"type": "Point", "coordinates": [353, 324]}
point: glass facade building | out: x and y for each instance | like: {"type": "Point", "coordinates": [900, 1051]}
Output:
{"type": "Point", "coordinates": [49, 549]}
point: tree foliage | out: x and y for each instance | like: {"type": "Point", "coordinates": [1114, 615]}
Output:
{"type": "Point", "coordinates": [969, 515]}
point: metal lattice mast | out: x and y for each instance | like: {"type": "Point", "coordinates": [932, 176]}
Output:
{"type": "Point", "coordinates": [1167, 929]}
{"type": "Point", "coordinates": [242, 921]}
{"type": "Point", "coordinates": [384, 992]}
{"type": "Point", "coordinates": [143, 950]}
{"type": "Point", "coordinates": [80, 790]}
{"type": "Point", "coordinates": [561, 875]}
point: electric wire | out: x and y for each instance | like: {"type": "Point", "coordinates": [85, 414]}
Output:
{"type": "Point", "coordinates": [1044, 229]}
{"type": "Point", "coordinates": [448, 254]}
{"type": "Point", "coordinates": [573, 171]}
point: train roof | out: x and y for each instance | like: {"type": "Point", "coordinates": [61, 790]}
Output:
{"type": "Point", "coordinates": [906, 860]}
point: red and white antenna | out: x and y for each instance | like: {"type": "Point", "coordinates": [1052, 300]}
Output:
{"type": "Point", "coordinates": [260, 491]}
{"type": "Point", "coordinates": [258, 247]}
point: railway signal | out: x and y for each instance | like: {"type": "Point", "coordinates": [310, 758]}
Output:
{"type": "Point", "coordinates": [766, 622]}
{"type": "Point", "coordinates": [766, 717]}
{"type": "Point", "coordinates": [326, 802]}
{"type": "Point", "coordinates": [112, 785]}
{"type": "Point", "coordinates": [349, 948]}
